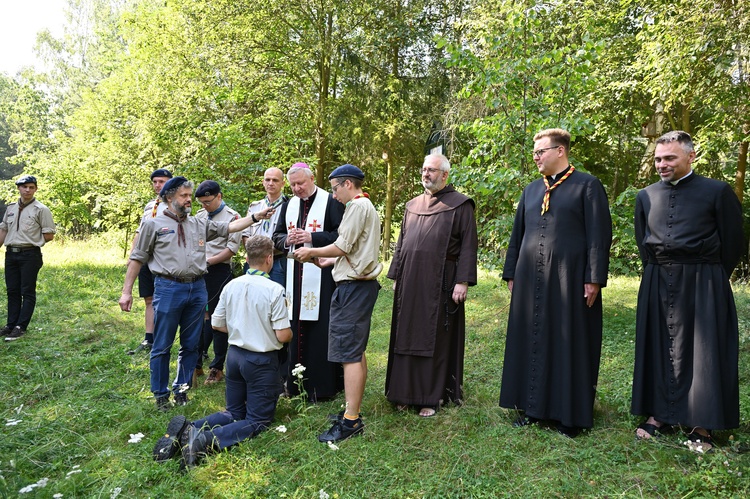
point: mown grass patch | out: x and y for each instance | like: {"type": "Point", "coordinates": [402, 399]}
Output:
{"type": "Point", "coordinates": [78, 397]}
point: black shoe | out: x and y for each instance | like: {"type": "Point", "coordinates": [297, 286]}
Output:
{"type": "Point", "coordinates": [169, 444]}
{"type": "Point", "coordinates": [340, 430]}
{"type": "Point", "coordinates": [180, 398]}
{"type": "Point", "coordinates": [524, 421]}
{"type": "Point", "coordinates": [568, 431]}
{"type": "Point", "coordinates": [145, 347]}
{"type": "Point", "coordinates": [163, 404]}
{"type": "Point", "coordinates": [194, 446]}
{"type": "Point", "coordinates": [16, 333]}
{"type": "Point", "coordinates": [5, 331]}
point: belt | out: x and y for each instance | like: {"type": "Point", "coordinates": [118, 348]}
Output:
{"type": "Point", "coordinates": [21, 249]}
{"type": "Point", "coordinates": [181, 280]}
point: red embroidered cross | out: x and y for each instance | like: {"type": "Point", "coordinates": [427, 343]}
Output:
{"type": "Point", "coordinates": [291, 226]}
{"type": "Point", "coordinates": [315, 225]}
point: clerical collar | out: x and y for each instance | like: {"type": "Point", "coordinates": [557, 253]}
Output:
{"type": "Point", "coordinates": [554, 177]}
{"type": "Point", "coordinates": [675, 182]}
{"type": "Point", "coordinates": [252, 271]}
{"type": "Point", "coordinates": [311, 196]}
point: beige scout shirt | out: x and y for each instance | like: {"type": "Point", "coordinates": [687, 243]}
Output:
{"type": "Point", "coordinates": [35, 220]}
{"type": "Point", "coordinates": [252, 307]}
{"type": "Point", "coordinates": [359, 238]}
{"type": "Point", "coordinates": [158, 245]}
{"type": "Point", "coordinates": [232, 242]}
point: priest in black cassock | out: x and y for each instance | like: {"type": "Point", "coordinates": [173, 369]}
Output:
{"type": "Point", "coordinates": [310, 218]}
{"type": "Point", "coordinates": [556, 263]}
{"type": "Point", "coordinates": [689, 234]}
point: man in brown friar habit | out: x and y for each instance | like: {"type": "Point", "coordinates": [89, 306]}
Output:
{"type": "Point", "coordinates": [434, 264]}
{"type": "Point", "coordinates": [311, 218]}
{"type": "Point", "coordinates": [556, 264]}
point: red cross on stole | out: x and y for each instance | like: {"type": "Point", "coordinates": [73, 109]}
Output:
{"type": "Point", "coordinates": [315, 225]}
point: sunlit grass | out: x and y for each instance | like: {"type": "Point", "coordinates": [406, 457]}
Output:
{"type": "Point", "coordinates": [78, 397]}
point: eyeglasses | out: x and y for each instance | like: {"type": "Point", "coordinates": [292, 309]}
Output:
{"type": "Point", "coordinates": [206, 202]}
{"type": "Point", "coordinates": [334, 188]}
{"type": "Point", "coordinates": [431, 171]}
{"type": "Point", "coordinates": [539, 152]}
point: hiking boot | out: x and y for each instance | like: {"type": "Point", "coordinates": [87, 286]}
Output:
{"type": "Point", "coordinates": [180, 398]}
{"type": "Point", "coordinates": [16, 333]}
{"type": "Point", "coordinates": [163, 404]}
{"type": "Point", "coordinates": [169, 444]}
{"type": "Point", "coordinates": [341, 430]}
{"type": "Point", "coordinates": [145, 346]}
{"type": "Point", "coordinates": [214, 376]}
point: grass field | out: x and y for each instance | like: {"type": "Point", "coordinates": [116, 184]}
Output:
{"type": "Point", "coordinates": [70, 398]}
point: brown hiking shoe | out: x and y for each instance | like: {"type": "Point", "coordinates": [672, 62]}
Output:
{"type": "Point", "coordinates": [214, 376]}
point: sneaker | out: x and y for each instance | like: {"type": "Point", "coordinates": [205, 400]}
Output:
{"type": "Point", "coordinates": [15, 334]}
{"type": "Point", "coordinates": [169, 444]}
{"type": "Point", "coordinates": [145, 347]}
{"type": "Point", "coordinates": [180, 398]}
{"type": "Point", "coordinates": [340, 430]}
{"type": "Point", "coordinates": [214, 376]}
{"type": "Point", "coordinates": [194, 446]}
{"type": "Point", "coordinates": [5, 331]}
{"type": "Point", "coordinates": [163, 404]}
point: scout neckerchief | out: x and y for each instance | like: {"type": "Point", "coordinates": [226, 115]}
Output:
{"type": "Point", "coordinates": [360, 195]}
{"type": "Point", "coordinates": [267, 222]}
{"type": "Point", "coordinates": [545, 202]}
{"type": "Point", "coordinates": [212, 214]}
{"type": "Point", "coordinates": [21, 206]}
{"type": "Point", "coordinates": [252, 271]}
{"type": "Point", "coordinates": [180, 229]}
{"type": "Point", "coordinates": [156, 205]}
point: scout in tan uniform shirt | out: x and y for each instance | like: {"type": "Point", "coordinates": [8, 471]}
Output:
{"type": "Point", "coordinates": [26, 226]}
{"type": "Point", "coordinates": [174, 246]}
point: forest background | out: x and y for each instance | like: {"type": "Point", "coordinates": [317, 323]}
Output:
{"type": "Point", "coordinates": [223, 89]}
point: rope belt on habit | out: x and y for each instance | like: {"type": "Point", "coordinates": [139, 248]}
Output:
{"type": "Point", "coordinates": [182, 280]}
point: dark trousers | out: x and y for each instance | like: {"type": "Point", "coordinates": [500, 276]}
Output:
{"type": "Point", "coordinates": [218, 276]}
{"type": "Point", "coordinates": [21, 271]}
{"type": "Point", "coordinates": [253, 386]}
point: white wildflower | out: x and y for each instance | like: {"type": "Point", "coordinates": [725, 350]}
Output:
{"type": "Point", "coordinates": [76, 469]}
{"type": "Point", "coordinates": [183, 388]}
{"type": "Point", "coordinates": [298, 370]}
{"type": "Point", "coordinates": [333, 446]}
{"type": "Point", "coordinates": [13, 422]}
{"type": "Point", "coordinates": [322, 494]}
{"type": "Point", "coordinates": [57, 496]}
{"type": "Point", "coordinates": [41, 483]}
{"type": "Point", "coordinates": [135, 438]}
{"type": "Point", "coordinates": [115, 493]}
{"type": "Point", "coordinates": [281, 428]}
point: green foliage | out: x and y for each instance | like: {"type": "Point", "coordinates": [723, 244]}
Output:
{"type": "Point", "coordinates": [624, 257]}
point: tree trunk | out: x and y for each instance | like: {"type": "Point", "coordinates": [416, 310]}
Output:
{"type": "Point", "coordinates": [324, 72]}
{"type": "Point", "coordinates": [386, 251]}
{"type": "Point", "coordinates": [647, 160]}
{"type": "Point", "coordinates": [739, 178]}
